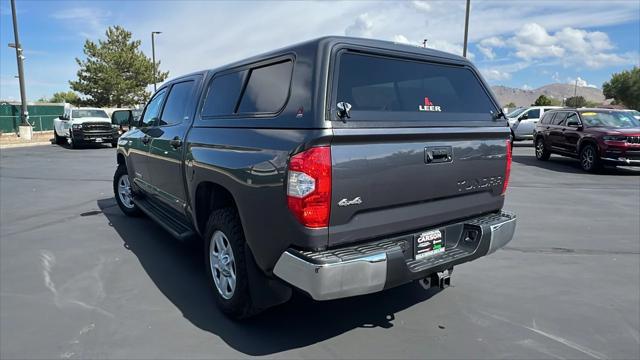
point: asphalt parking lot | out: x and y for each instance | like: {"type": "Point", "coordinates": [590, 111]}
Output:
{"type": "Point", "coordinates": [78, 279]}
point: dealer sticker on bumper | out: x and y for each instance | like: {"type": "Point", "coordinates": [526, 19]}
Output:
{"type": "Point", "coordinates": [428, 244]}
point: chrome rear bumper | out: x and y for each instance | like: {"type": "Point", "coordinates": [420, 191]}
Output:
{"type": "Point", "coordinates": [369, 268]}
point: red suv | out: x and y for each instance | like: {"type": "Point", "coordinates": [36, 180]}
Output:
{"type": "Point", "coordinates": [594, 136]}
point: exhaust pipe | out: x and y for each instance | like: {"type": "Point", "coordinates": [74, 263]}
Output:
{"type": "Point", "coordinates": [439, 279]}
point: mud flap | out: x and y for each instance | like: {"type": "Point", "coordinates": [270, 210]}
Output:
{"type": "Point", "coordinates": [265, 292]}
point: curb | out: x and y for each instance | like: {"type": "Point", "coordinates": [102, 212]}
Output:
{"type": "Point", "coordinates": [19, 145]}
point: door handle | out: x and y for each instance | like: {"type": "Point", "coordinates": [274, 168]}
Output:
{"type": "Point", "coordinates": [145, 139]}
{"type": "Point", "coordinates": [176, 142]}
{"type": "Point", "coordinates": [438, 154]}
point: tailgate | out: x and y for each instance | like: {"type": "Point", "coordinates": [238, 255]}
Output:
{"type": "Point", "coordinates": [394, 180]}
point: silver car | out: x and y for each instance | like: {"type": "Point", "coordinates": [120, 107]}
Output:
{"type": "Point", "coordinates": [522, 121]}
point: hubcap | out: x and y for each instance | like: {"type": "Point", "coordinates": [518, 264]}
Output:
{"type": "Point", "coordinates": [124, 191]}
{"type": "Point", "coordinates": [223, 264]}
{"type": "Point", "coordinates": [587, 158]}
{"type": "Point", "coordinates": [539, 148]}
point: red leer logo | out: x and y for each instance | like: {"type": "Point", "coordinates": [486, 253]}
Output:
{"type": "Point", "coordinates": [428, 106]}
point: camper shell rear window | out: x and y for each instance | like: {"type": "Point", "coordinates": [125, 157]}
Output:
{"type": "Point", "coordinates": [387, 88]}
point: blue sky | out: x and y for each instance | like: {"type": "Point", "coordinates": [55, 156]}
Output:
{"type": "Point", "coordinates": [523, 44]}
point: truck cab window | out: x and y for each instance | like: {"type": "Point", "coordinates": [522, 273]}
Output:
{"type": "Point", "coordinates": [176, 105]}
{"type": "Point", "coordinates": [153, 109]}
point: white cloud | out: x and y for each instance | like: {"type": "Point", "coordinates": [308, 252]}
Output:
{"type": "Point", "coordinates": [503, 72]}
{"type": "Point", "coordinates": [526, 87]}
{"type": "Point", "coordinates": [495, 74]}
{"type": "Point", "coordinates": [569, 46]}
{"type": "Point", "coordinates": [361, 27]}
{"type": "Point", "coordinates": [447, 46]}
{"type": "Point", "coordinates": [403, 23]}
{"type": "Point", "coordinates": [533, 41]}
{"type": "Point", "coordinates": [493, 42]}
{"type": "Point", "coordinates": [88, 22]}
{"type": "Point", "coordinates": [421, 5]}
{"type": "Point", "coordinates": [438, 44]}
{"type": "Point", "coordinates": [245, 28]}
{"type": "Point", "coordinates": [486, 46]}
{"type": "Point", "coordinates": [401, 39]}
{"type": "Point", "coordinates": [486, 51]}
{"type": "Point", "coordinates": [580, 82]}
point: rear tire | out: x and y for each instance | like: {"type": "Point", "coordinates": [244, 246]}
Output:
{"type": "Point", "coordinates": [541, 150]}
{"type": "Point", "coordinates": [226, 265]}
{"type": "Point", "coordinates": [589, 158]}
{"type": "Point", "coordinates": [59, 140]}
{"type": "Point", "coordinates": [123, 192]}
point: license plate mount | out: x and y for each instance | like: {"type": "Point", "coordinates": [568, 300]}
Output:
{"type": "Point", "coordinates": [428, 243]}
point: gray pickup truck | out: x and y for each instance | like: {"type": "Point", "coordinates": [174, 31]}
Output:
{"type": "Point", "coordinates": [338, 167]}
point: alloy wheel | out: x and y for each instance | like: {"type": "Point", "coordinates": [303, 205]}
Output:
{"type": "Point", "coordinates": [223, 264]}
{"type": "Point", "coordinates": [124, 191]}
{"type": "Point", "coordinates": [539, 148]}
{"type": "Point", "coordinates": [588, 158]}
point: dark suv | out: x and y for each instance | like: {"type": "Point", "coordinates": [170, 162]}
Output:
{"type": "Point", "coordinates": [594, 136]}
{"type": "Point", "coordinates": [338, 166]}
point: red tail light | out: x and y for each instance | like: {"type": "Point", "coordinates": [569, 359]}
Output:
{"type": "Point", "coordinates": [508, 168]}
{"type": "Point", "coordinates": [309, 186]}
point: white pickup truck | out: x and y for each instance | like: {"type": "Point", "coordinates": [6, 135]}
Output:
{"type": "Point", "coordinates": [84, 125]}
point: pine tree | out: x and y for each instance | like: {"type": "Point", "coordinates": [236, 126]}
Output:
{"type": "Point", "coordinates": [115, 72]}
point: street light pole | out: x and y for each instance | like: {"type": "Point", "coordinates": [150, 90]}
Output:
{"type": "Point", "coordinates": [466, 29]}
{"type": "Point", "coordinates": [153, 54]}
{"type": "Point", "coordinates": [24, 113]}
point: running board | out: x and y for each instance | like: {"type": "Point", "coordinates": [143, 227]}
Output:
{"type": "Point", "coordinates": [165, 219]}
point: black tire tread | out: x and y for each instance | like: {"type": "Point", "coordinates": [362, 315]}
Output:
{"type": "Point", "coordinates": [135, 212]}
{"type": "Point", "coordinates": [546, 154]}
{"type": "Point", "coordinates": [597, 164]}
{"type": "Point", "coordinates": [227, 220]}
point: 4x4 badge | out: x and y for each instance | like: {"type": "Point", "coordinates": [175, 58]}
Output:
{"type": "Point", "coordinates": [354, 201]}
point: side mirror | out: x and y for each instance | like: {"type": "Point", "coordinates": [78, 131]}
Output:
{"type": "Point", "coordinates": [523, 117]}
{"type": "Point", "coordinates": [344, 110]}
{"type": "Point", "coordinates": [573, 123]}
{"type": "Point", "coordinates": [122, 118]}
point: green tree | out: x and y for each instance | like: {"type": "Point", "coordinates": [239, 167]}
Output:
{"type": "Point", "coordinates": [510, 105]}
{"type": "Point", "coordinates": [624, 87]}
{"type": "Point", "coordinates": [66, 97]}
{"type": "Point", "coordinates": [542, 101]}
{"type": "Point", "coordinates": [115, 71]}
{"type": "Point", "coordinates": [576, 101]}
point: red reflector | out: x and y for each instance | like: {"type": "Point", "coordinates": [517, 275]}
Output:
{"type": "Point", "coordinates": [507, 169]}
{"type": "Point", "coordinates": [309, 195]}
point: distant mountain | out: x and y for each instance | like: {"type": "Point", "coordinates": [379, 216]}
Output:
{"type": "Point", "coordinates": [522, 97]}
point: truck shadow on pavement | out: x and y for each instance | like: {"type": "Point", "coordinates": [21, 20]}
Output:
{"type": "Point", "coordinates": [569, 165]}
{"type": "Point", "coordinates": [177, 270]}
